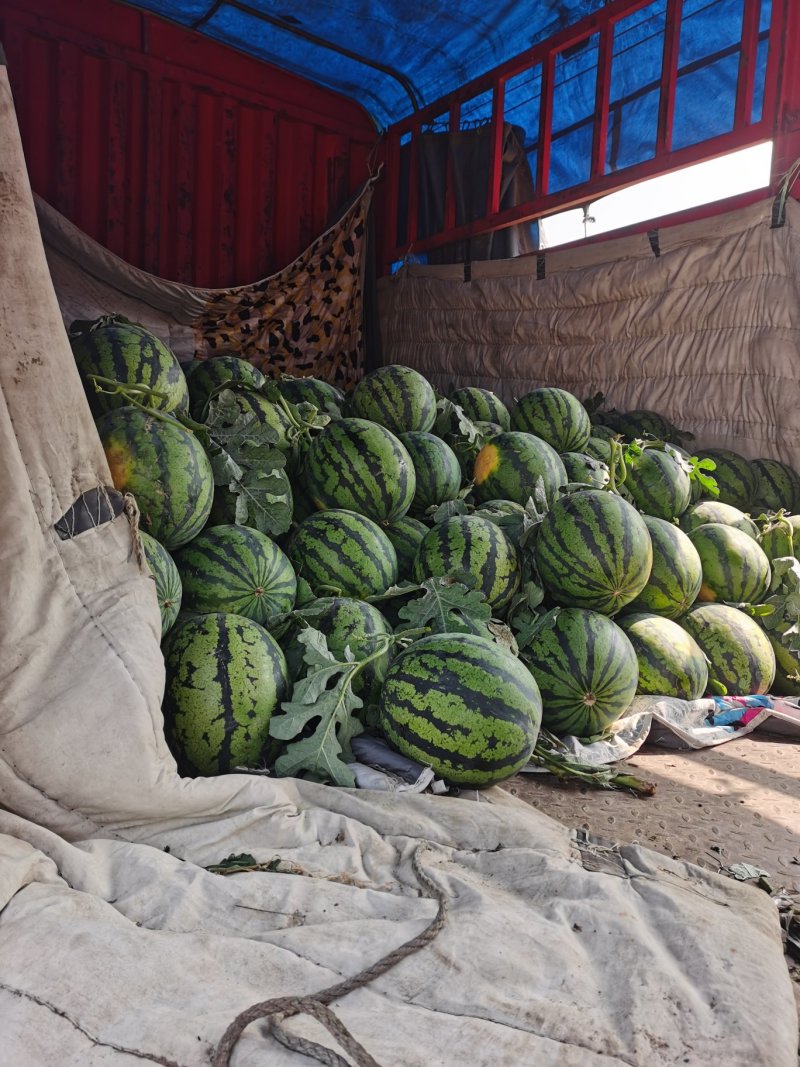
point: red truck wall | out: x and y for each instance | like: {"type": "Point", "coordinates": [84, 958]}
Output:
{"type": "Point", "coordinates": [184, 157]}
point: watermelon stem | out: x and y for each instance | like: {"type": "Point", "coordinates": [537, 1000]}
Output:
{"type": "Point", "coordinates": [545, 755]}
{"type": "Point", "coordinates": [130, 392]}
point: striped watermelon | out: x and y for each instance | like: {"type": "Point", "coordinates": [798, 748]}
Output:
{"type": "Point", "coordinates": [164, 466]}
{"type": "Point", "coordinates": [556, 416]}
{"type": "Point", "coordinates": [657, 484]}
{"type": "Point", "coordinates": [225, 677]}
{"type": "Point", "coordinates": [268, 413]}
{"type": "Point", "coordinates": [510, 464]}
{"type": "Point", "coordinates": [583, 468]}
{"type": "Point", "coordinates": [166, 578]}
{"type": "Point", "coordinates": [468, 544]}
{"type": "Point", "coordinates": [462, 705]}
{"type": "Point", "coordinates": [740, 656]}
{"type": "Point", "coordinates": [406, 535]}
{"type": "Point", "coordinates": [127, 353]}
{"type": "Point", "coordinates": [501, 507]}
{"type": "Point", "coordinates": [347, 623]}
{"type": "Point", "coordinates": [642, 423]}
{"type": "Point", "coordinates": [676, 574]}
{"type": "Point", "coordinates": [238, 570]}
{"type": "Point", "coordinates": [734, 475]}
{"type": "Point", "coordinates": [735, 567]}
{"type": "Point", "coordinates": [781, 537]}
{"type": "Point", "coordinates": [705, 511]}
{"type": "Point", "coordinates": [343, 553]}
{"type": "Point", "coordinates": [481, 405]}
{"type": "Point", "coordinates": [360, 466]}
{"type": "Point", "coordinates": [777, 486]}
{"type": "Point", "coordinates": [593, 550]}
{"type": "Point", "coordinates": [787, 670]}
{"type": "Point", "coordinates": [397, 397]}
{"type": "Point", "coordinates": [671, 663]}
{"type": "Point", "coordinates": [586, 670]}
{"type": "Point", "coordinates": [438, 473]}
{"type": "Point", "coordinates": [211, 374]}
{"type": "Point", "coordinates": [324, 396]}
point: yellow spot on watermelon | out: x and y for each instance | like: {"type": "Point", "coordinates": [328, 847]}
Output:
{"type": "Point", "coordinates": [706, 593]}
{"type": "Point", "coordinates": [119, 462]}
{"type": "Point", "coordinates": [486, 462]}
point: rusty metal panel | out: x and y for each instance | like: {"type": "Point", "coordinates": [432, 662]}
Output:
{"type": "Point", "coordinates": [188, 159]}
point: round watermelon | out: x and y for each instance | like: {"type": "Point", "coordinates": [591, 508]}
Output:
{"type": "Point", "coordinates": [225, 677]}
{"type": "Point", "coordinates": [324, 396]}
{"type": "Point", "coordinates": [593, 550]}
{"type": "Point", "coordinates": [167, 580]}
{"type": "Point", "coordinates": [671, 663]}
{"type": "Point", "coordinates": [343, 553]}
{"type": "Point", "coordinates": [481, 406]}
{"type": "Point", "coordinates": [586, 670]}
{"type": "Point", "coordinates": [676, 574]}
{"type": "Point", "coordinates": [212, 374]}
{"type": "Point", "coordinates": [163, 464]}
{"type": "Point", "coordinates": [740, 657]}
{"type": "Point", "coordinates": [346, 623]}
{"type": "Point", "coordinates": [735, 567]}
{"type": "Point", "coordinates": [781, 537]}
{"type": "Point", "coordinates": [585, 469]}
{"type": "Point", "coordinates": [397, 397]}
{"type": "Point", "coordinates": [437, 470]}
{"type": "Point", "coordinates": [787, 669]}
{"type": "Point", "coordinates": [112, 348]}
{"type": "Point", "coordinates": [642, 423]}
{"type": "Point", "coordinates": [657, 484]}
{"type": "Point", "coordinates": [509, 466]}
{"type": "Point", "coordinates": [705, 511]}
{"type": "Point", "coordinates": [238, 570]}
{"type": "Point", "coordinates": [777, 486]}
{"type": "Point", "coordinates": [406, 535]}
{"type": "Point", "coordinates": [462, 705]}
{"type": "Point", "coordinates": [734, 475]}
{"type": "Point", "coordinates": [556, 416]}
{"type": "Point", "coordinates": [470, 545]}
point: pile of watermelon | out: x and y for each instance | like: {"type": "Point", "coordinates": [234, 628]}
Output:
{"type": "Point", "coordinates": [444, 572]}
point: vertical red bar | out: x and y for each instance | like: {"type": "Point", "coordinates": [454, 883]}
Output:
{"type": "Point", "coordinates": [496, 148]}
{"type": "Point", "coordinates": [601, 96]}
{"type": "Point", "coordinates": [782, 99]}
{"type": "Point", "coordinates": [545, 125]}
{"type": "Point", "coordinates": [669, 76]}
{"type": "Point", "coordinates": [450, 188]}
{"type": "Point", "coordinates": [413, 188]}
{"type": "Point", "coordinates": [748, 58]}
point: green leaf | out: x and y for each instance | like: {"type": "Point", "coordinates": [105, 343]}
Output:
{"type": "Point", "coordinates": [528, 627]}
{"type": "Point", "coordinates": [447, 606]}
{"type": "Point", "coordinates": [442, 512]}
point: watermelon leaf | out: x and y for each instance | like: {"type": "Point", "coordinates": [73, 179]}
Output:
{"type": "Point", "coordinates": [447, 606]}
{"type": "Point", "coordinates": [442, 512]}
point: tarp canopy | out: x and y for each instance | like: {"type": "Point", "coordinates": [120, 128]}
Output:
{"type": "Point", "coordinates": [397, 56]}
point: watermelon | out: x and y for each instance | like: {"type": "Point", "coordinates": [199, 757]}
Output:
{"type": "Point", "coordinates": [781, 537]}
{"type": "Point", "coordinates": [437, 470]}
{"type": "Point", "coordinates": [598, 448]}
{"type": "Point", "coordinates": [225, 677]}
{"type": "Point", "coordinates": [676, 574]}
{"type": "Point", "coordinates": [345, 553]}
{"type": "Point", "coordinates": [740, 657]}
{"type": "Point", "coordinates": [593, 550]}
{"type": "Point", "coordinates": [406, 535]}
{"type": "Point", "coordinates": [397, 397]}
{"type": "Point", "coordinates": [501, 507]}
{"type": "Point", "coordinates": [510, 464]}
{"type": "Point", "coordinates": [556, 416]}
{"type": "Point", "coordinates": [346, 623]}
{"type": "Point", "coordinates": [360, 466]}
{"type": "Point", "coordinates": [586, 670]}
{"type": "Point", "coordinates": [642, 423]}
{"type": "Point", "coordinates": [777, 486]}
{"type": "Point", "coordinates": [470, 545]}
{"type": "Point", "coordinates": [127, 353]}
{"type": "Point", "coordinates": [705, 511]}
{"type": "Point", "coordinates": [268, 413]}
{"type": "Point", "coordinates": [586, 469]}
{"type": "Point", "coordinates": [602, 433]}
{"type": "Point", "coordinates": [238, 570]}
{"type": "Point", "coordinates": [481, 406]}
{"type": "Point", "coordinates": [212, 374]}
{"type": "Point", "coordinates": [462, 705]}
{"type": "Point", "coordinates": [734, 475]}
{"type": "Point", "coordinates": [657, 483]}
{"type": "Point", "coordinates": [324, 396]}
{"type": "Point", "coordinates": [163, 464]}
{"type": "Point", "coordinates": [735, 567]}
{"type": "Point", "coordinates": [166, 578]}
{"type": "Point", "coordinates": [787, 669]}
{"type": "Point", "coordinates": [671, 662]}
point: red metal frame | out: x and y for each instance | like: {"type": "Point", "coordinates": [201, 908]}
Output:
{"type": "Point", "coordinates": [780, 121]}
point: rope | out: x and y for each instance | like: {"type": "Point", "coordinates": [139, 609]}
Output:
{"type": "Point", "coordinates": [131, 510]}
{"type": "Point", "coordinates": [315, 1004]}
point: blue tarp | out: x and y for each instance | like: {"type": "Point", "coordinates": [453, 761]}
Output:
{"type": "Point", "coordinates": [395, 56]}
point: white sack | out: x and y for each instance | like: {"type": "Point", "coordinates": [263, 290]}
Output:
{"type": "Point", "coordinates": [552, 954]}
